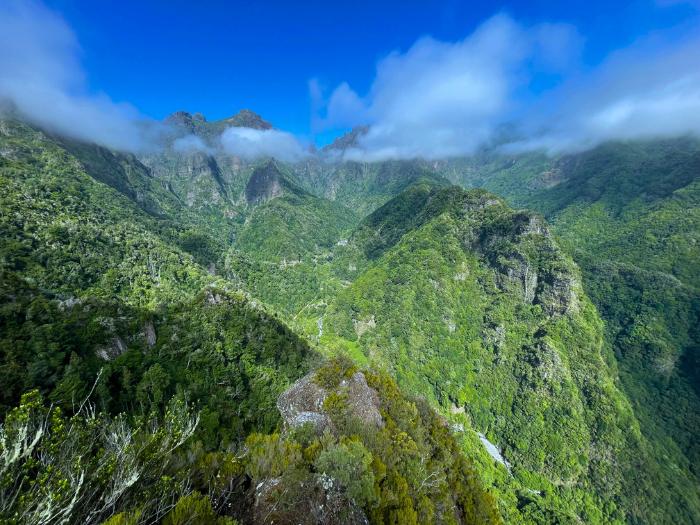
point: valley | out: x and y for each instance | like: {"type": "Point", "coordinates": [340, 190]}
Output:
{"type": "Point", "coordinates": [525, 325]}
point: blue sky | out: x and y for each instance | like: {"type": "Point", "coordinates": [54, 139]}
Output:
{"type": "Point", "coordinates": [431, 79]}
{"type": "Point", "coordinates": [217, 57]}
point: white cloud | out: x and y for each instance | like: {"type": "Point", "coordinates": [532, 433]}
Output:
{"type": "Point", "coordinates": [190, 144]}
{"type": "Point", "coordinates": [41, 74]}
{"type": "Point", "coordinates": [646, 91]}
{"type": "Point", "coordinates": [445, 99]}
{"type": "Point", "coordinates": [254, 143]}
{"type": "Point", "coordinates": [441, 99]}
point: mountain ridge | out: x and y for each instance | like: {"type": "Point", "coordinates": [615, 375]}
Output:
{"type": "Point", "coordinates": [453, 304]}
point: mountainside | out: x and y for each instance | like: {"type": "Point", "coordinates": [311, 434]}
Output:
{"type": "Point", "coordinates": [288, 222]}
{"type": "Point", "coordinates": [628, 214]}
{"type": "Point", "coordinates": [216, 339]}
{"type": "Point", "coordinates": [197, 124]}
{"type": "Point", "coordinates": [361, 186]}
{"type": "Point", "coordinates": [476, 308]}
{"type": "Point", "coordinates": [152, 388]}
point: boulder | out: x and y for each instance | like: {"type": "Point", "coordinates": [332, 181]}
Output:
{"type": "Point", "coordinates": [303, 402]}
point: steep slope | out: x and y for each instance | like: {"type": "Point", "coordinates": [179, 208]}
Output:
{"type": "Point", "coordinates": [202, 175]}
{"type": "Point", "coordinates": [149, 386]}
{"type": "Point", "coordinates": [474, 306]}
{"type": "Point", "coordinates": [286, 222]}
{"type": "Point", "coordinates": [629, 214]}
{"type": "Point", "coordinates": [197, 124]}
{"type": "Point", "coordinates": [362, 186]}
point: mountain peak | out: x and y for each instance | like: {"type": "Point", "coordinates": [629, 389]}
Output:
{"type": "Point", "coordinates": [246, 118]}
{"type": "Point", "coordinates": [348, 140]}
{"type": "Point", "coordinates": [181, 118]}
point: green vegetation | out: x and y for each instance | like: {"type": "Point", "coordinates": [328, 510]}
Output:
{"type": "Point", "coordinates": [153, 311]}
{"type": "Point", "coordinates": [408, 470]}
{"type": "Point", "coordinates": [141, 387]}
{"type": "Point", "coordinates": [478, 310]}
{"type": "Point", "coordinates": [628, 214]}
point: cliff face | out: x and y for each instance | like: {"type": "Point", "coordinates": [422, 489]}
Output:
{"type": "Point", "coordinates": [264, 184]}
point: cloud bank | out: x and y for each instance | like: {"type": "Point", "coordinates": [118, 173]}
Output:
{"type": "Point", "coordinates": [251, 143]}
{"type": "Point", "coordinates": [642, 92]}
{"type": "Point", "coordinates": [441, 99]}
{"type": "Point", "coordinates": [41, 75]}
{"type": "Point", "coordinates": [434, 100]}
{"type": "Point", "coordinates": [190, 144]}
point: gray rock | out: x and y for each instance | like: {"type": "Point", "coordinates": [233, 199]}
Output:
{"type": "Point", "coordinates": [557, 294]}
{"type": "Point", "coordinates": [149, 333]}
{"type": "Point", "coordinates": [113, 349]}
{"type": "Point", "coordinates": [212, 298]}
{"type": "Point", "coordinates": [302, 403]}
{"type": "Point", "coordinates": [518, 273]}
{"type": "Point", "coordinates": [363, 401]}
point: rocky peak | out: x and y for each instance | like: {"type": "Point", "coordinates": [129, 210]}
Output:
{"type": "Point", "coordinates": [303, 402]}
{"type": "Point", "coordinates": [246, 118]}
{"type": "Point", "coordinates": [348, 140]}
{"type": "Point", "coordinates": [181, 118]}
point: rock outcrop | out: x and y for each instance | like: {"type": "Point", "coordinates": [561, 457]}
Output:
{"type": "Point", "coordinates": [264, 184]}
{"type": "Point", "coordinates": [303, 402]}
{"type": "Point", "coordinates": [113, 349]}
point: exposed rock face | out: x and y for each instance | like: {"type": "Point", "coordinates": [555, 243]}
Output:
{"type": "Point", "coordinates": [195, 177]}
{"type": "Point", "coordinates": [547, 279]}
{"type": "Point", "coordinates": [519, 273]}
{"type": "Point", "coordinates": [557, 293]}
{"type": "Point", "coordinates": [265, 184]}
{"type": "Point", "coordinates": [181, 119]}
{"type": "Point", "coordinates": [212, 298]}
{"type": "Point", "coordinates": [303, 402]}
{"type": "Point", "coordinates": [113, 349]}
{"type": "Point", "coordinates": [363, 401]}
{"type": "Point", "coordinates": [248, 119]}
{"type": "Point", "coordinates": [149, 333]}
{"type": "Point", "coordinates": [198, 124]}
{"type": "Point", "coordinates": [348, 140]}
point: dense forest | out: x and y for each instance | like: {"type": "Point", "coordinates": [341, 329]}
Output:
{"type": "Point", "coordinates": [186, 337]}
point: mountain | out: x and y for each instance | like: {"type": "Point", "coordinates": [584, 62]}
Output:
{"type": "Point", "coordinates": [362, 186]}
{"type": "Point", "coordinates": [147, 382]}
{"type": "Point", "coordinates": [286, 221]}
{"type": "Point", "coordinates": [475, 307]}
{"type": "Point", "coordinates": [193, 336]}
{"type": "Point", "coordinates": [267, 183]}
{"type": "Point", "coordinates": [346, 141]}
{"type": "Point", "coordinates": [629, 214]}
{"type": "Point", "coordinates": [197, 124]}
